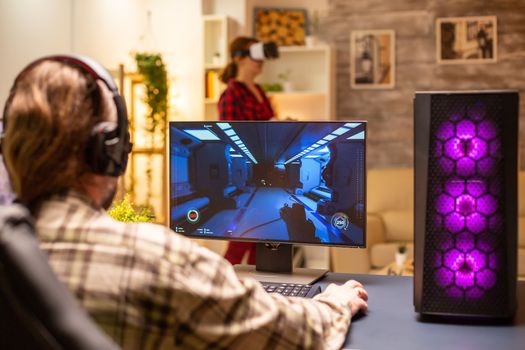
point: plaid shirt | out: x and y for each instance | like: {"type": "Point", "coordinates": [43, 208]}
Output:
{"type": "Point", "coordinates": [237, 102]}
{"type": "Point", "coordinates": [150, 288]}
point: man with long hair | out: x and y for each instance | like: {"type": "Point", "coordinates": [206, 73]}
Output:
{"type": "Point", "coordinates": [146, 286]}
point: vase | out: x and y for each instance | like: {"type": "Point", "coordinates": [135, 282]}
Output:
{"type": "Point", "coordinates": [400, 259]}
{"type": "Point", "coordinates": [287, 86]}
{"type": "Point", "coordinates": [310, 40]}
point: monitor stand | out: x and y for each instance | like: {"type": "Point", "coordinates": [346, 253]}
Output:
{"type": "Point", "coordinates": [274, 263]}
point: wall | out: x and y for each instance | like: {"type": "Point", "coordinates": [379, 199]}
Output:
{"type": "Point", "coordinates": [110, 30]}
{"type": "Point", "coordinates": [30, 29]}
{"type": "Point", "coordinates": [390, 112]}
{"type": "Point", "coordinates": [107, 30]}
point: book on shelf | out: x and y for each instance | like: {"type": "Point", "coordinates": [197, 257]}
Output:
{"type": "Point", "coordinates": [213, 85]}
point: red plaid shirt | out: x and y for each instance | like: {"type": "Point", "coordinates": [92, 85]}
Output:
{"type": "Point", "coordinates": [237, 102]}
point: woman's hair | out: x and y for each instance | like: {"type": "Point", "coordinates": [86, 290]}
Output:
{"type": "Point", "coordinates": [49, 117]}
{"type": "Point", "coordinates": [240, 43]}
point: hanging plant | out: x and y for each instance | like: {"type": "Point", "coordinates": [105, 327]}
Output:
{"type": "Point", "coordinates": [153, 70]}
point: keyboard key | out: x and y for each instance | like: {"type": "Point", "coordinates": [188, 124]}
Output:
{"type": "Point", "coordinates": [292, 289]}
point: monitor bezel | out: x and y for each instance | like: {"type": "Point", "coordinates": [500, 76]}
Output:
{"type": "Point", "coordinates": [260, 240]}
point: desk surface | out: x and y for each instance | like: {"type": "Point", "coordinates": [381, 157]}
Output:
{"type": "Point", "coordinates": [392, 323]}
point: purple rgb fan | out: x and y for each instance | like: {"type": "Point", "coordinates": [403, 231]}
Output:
{"type": "Point", "coordinates": [466, 208]}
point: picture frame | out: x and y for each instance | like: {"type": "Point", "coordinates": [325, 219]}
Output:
{"type": "Point", "coordinates": [284, 26]}
{"type": "Point", "coordinates": [372, 59]}
{"type": "Point", "coordinates": [463, 40]}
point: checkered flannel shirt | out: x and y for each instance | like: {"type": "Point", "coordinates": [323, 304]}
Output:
{"type": "Point", "coordinates": [237, 102]}
{"type": "Point", "coordinates": [150, 288]}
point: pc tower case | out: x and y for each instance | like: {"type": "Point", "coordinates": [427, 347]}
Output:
{"type": "Point", "coordinates": [465, 219]}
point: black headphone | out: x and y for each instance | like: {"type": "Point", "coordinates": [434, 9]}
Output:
{"type": "Point", "coordinates": [109, 143]}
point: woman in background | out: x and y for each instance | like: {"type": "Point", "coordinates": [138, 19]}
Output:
{"type": "Point", "coordinates": [243, 99]}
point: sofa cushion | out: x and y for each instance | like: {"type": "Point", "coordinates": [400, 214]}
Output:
{"type": "Point", "coordinates": [399, 225]}
{"type": "Point", "coordinates": [390, 189]}
{"type": "Point", "coordinates": [382, 254]}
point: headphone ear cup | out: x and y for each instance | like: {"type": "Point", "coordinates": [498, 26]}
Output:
{"type": "Point", "coordinates": [97, 153]}
{"type": "Point", "coordinates": [94, 151]}
{"type": "Point", "coordinates": [124, 147]}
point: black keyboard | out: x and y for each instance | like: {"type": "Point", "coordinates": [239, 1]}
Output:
{"type": "Point", "coordinates": [291, 289]}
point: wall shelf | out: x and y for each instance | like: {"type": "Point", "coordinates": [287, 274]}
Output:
{"type": "Point", "coordinates": [211, 101]}
{"type": "Point", "coordinates": [292, 94]}
{"type": "Point", "coordinates": [212, 66]}
{"type": "Point", "coordinates": [218, 32]}
{"type": "Point", "coordinates": [288, 49]}
{"type": "Point", "coordinates": [311, 72]}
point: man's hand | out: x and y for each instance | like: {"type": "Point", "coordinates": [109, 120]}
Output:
{"type": "Point", "coordinates": [351, 294]}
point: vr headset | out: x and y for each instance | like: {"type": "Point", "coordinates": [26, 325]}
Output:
{"type": "Point", "coordinates": [260, 51]}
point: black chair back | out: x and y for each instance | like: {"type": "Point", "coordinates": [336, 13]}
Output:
{"type": "Point", "coordinates": [36, 309]}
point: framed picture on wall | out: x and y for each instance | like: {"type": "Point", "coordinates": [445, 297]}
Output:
{"type": "Point", "coordinates": [285, 26]}
{"type": "Point", "coordinates": [461, 40]}
{"type": "Point", "coordinates": [372, 59]}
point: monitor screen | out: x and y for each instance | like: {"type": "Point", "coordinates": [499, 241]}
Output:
{"type": "Point", "coordinates": [287, 182]}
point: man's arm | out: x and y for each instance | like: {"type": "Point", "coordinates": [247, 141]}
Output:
{"type": "Point", "coordinates": [213, 308]}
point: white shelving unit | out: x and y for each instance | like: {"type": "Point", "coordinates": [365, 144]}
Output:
{"type": "Point", "coordinates": [218, 32]}
{"type": "Point", "coordinates": [312, 77]}
{"type": "Point", "coordinates": [312, 74]}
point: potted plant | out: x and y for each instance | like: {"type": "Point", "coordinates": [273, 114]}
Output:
{"type": "Point", "coordinates": [216, 59]}
{"type": "Point", "coordinates": [401, 255]}
{"type": "Point", "coordinates": [267, 87]}
{"type": "Point", "coordinates": [125, 211]}
{"type": "Point", "coordinates": [285, 78]}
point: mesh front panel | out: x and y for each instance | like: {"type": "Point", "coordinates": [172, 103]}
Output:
{"type": "Point", "coordinates": [464, 251]}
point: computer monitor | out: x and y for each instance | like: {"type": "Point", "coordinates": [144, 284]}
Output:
{"type": "Point", "coordinates": [274, 183]}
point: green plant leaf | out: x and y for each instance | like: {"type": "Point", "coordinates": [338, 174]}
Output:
{"type": "Point", "coordinates": [125, 211]}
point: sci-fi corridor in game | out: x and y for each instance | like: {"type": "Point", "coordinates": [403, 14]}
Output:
{"type": "Point", "coordinates": [285, 181]}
